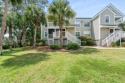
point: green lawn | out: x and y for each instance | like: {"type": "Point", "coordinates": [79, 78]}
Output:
{"type": "Point", "coordinates": [86, 66]}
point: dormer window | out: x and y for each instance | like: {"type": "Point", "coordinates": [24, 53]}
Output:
{"type": "Point", "coordinates": [107, 19]}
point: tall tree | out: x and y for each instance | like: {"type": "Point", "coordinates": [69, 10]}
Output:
{"type": "Point", "coordinates": [19, 27]}
{"type": "Point", "coordinates": [14, 2]}
{"type": "Point", "coordinates": [59, 12]}
{"type": "Point", "coordinates": [10, 19]}
{"type": "Point", "coordinates": [36, 16]}
{"type": "Point", "coordinates": [1, 14]}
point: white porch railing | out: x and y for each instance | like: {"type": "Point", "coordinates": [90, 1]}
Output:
{"type": "Point", "coordinates": [65, 34]}
{"type": "Point", "coordinates": [104, 41]}
{"type": "Point", "coordinates": [73, 38]}
{"type": "Point", "coordinates": [57, 34]}
{"type": "Point", "coordinates": [114, 37]}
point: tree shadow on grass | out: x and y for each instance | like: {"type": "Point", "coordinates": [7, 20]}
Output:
{"type": "Point", "coordinates": [15, 50]}
{"type": "Point", "coordinates": [25, 60]}
{"type": "Point", "coordinates": [86, 51]}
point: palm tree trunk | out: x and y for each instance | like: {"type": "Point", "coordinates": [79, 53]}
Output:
{"type": "Point", "coordinates": [35, 30]}
{"type": "Point", "coordinates": [10, 38]}
{"type": "Point", "coordinates": [61, 42]}
{"type": "Point", "coordinates": [23, 36]}
{"type": "Point", "coordinates": [3, 25]}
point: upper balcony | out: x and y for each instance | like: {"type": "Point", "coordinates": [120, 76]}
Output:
{"type": "Point", "coordinates": [111, 21]}
{"type": "Point", "coordinates": [50, 25]}
{"type": "Point", "coordinates": [118, 20]}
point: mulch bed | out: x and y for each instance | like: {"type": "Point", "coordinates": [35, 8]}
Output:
{"type": "Point", "coordinates": [47, 49]}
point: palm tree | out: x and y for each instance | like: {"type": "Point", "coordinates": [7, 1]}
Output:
{"type": "Point", "coordinates": [36, 16]}
{"type": "Point", "coordinates": [122, 25]}
{"type": "Point", "coordinates": [14, 2]}
{"type": "Point", "coordinates": [59, 12]}
{"type": "Point", "coordinates": [19, 27]}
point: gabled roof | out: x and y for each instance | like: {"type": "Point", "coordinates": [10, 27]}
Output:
{"type": "Point", "coordinates": [111, 8]}
{"type": "Point", "coordinates": [82, 18]}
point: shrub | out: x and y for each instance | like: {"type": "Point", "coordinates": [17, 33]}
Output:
{"type": "Point", "coordinates": [113, 44]}
{"type": "Point", "coordinates": [85, 38]}
{"type": "Point", "coordinates": [88, 39]}
{"type": "Point", "coordinates": [5, 46]}
{"type": "Point", "coordinates": [72, 46]}
{"type": "Point", "coordinates": [55, 46]}
{"type": "Point", "coordinates": [83, 43]}
{"type": "Point", "coordinates": [41, 42]}
{"type": "Point", "coordinates": [82, 38]}
{"type": "Point", "coordinates": [91, 43]}
{"type": "Point", "coordinates": [123, 40]}
{"type": "Point", "coordinates": [123, 44]}
{"type": "Point", "coordinates": [15, 45]}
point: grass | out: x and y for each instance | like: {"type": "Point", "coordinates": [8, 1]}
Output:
{"type": "Point", "coordinates": [90, 65]}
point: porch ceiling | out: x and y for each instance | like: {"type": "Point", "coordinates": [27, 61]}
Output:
{"type": "Point", "coordinates": [111, 27]}
{"type": "Point", "coordinates": [69, 27]}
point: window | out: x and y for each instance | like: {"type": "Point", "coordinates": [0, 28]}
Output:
{"type": "Point", "coordinates": [107, 19]}
{"type": "Point", "coordinates": [87, 24]}
{"type": "Point", "coordinates": [77, 34]}
{"type": "Point", "coordinates": [50, 24]}
{"type": "Point", "coordinates": [111, 31]}
{"type": "Point", "coordinates": [87, 33]}
{"type": "Point", "coordinates": [77, 24]}
{"type": "Point", "coordinates": [45, 34]}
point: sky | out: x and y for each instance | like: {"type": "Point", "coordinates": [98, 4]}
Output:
{"type": "Point", "coordinates": [89, 8]}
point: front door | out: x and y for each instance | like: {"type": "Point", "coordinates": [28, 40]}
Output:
{"type": "Point", "coordinates": [50, 33]}
{"type": "Point", "coordinates": [111, 31]}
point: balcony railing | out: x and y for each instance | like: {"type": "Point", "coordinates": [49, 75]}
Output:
{"type": "Point", "coordinates": [57, 34]}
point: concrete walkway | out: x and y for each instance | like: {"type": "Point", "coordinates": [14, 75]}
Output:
{"type": "Point", "coordinates": [99, 47]}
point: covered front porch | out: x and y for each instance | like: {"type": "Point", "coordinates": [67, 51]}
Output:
{"type": "Point", "coordinates": [55, 32]}
{"type": "Point", "coordinates": [54, 35]}
{"type": "Point", "coordinates": [111, 34]}
{"type": "Point", "coordinates": [105, 31]}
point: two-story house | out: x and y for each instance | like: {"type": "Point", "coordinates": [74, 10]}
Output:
{"type": "Point", "coordinates": [103, 28]}
{"type": "Point", "coordinates": [105, 24]}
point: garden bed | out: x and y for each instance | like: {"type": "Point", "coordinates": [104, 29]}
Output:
{"type": "Point", "coordinates": [48, 49]}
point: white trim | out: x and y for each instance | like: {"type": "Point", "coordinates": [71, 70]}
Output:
{"type": "Point", "coordinates": [118, 17]}
{"type": "Point", "coordinates": [76, 24]}
{"type": "Point", "coordinates": [41, 32]}
{"type": "Point", "coordinates": [107, 7]}
{"type": "Point", "coordinates": [48, 34]}
{"type": "Point", "coordinates": [116, 9]}
{"type": "Point", "coordinates": [79, 32]}
{"type": "Point", "coordinates": [75, 29]}
{"type": "Point", "coordinates": [109, 19]}
{"type": "Point", "coordinates": [113, 13]}
{"type": "Point", "coordinates": [86, 22]}
{"type": "Point", "coordinates": [99, 28]}
{"type": "Point", "coordinates": [100, 12]}
{"type": "Point", "coordinates": [44, 33]}
{"type": "Point", "coordinates": [110, 29]}
{"type": "Point", "coordinates": [87, 34]}
{"type": "Point", "coordinates": [107, 26]}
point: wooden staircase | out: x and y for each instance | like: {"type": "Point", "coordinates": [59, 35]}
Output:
{"type": "Point", "coordinates": [73, 38]}
{"type": "Point", "coordinates": [114, 37]}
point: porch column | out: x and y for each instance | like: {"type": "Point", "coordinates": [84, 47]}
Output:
{"type": "Point", "coordinates": [114, 29]}
{"type": "Point", "coordinates": [120, 42]}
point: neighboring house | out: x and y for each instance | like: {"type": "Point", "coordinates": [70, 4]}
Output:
{"type": "Point", "coordinates": [103, 28]}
